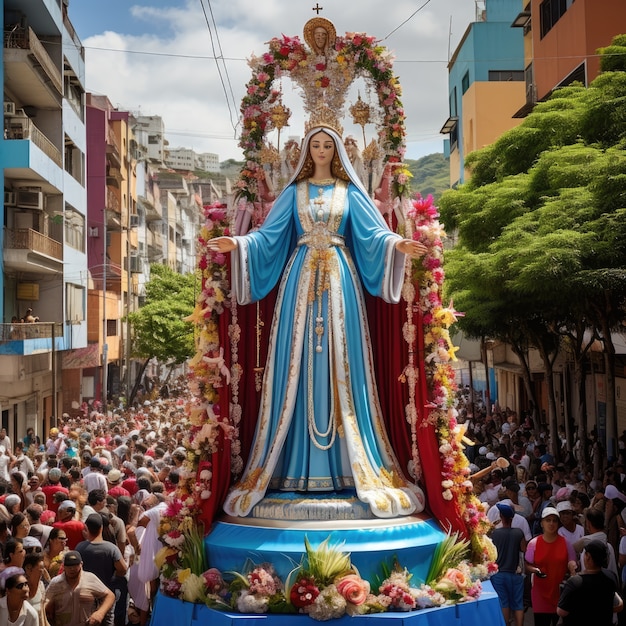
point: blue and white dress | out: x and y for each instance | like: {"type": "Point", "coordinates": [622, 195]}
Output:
{"type": "Point", "coordinates": [320, 426]}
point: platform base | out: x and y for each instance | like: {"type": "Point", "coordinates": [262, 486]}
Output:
{"type": "Point", "coordinates": [411, 541]}
{"type": "Point", "coordinates": [482, 612]}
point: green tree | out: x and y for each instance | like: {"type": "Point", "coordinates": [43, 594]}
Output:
{"type": "Point", "coordinates": [159, 329]}
{"type": "Point", "coordinates": [541, 228]}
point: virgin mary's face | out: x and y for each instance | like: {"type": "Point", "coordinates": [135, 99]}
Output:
{"type": "Point", "coordinates": [322, 149]}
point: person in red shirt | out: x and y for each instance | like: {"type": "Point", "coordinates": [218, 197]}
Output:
{"type": "Point", "coordinates": [114, 478]}
{"type": "Point", "coordinates": [53, 486]}
{"type": "Point", "coordinates": [67, 521]}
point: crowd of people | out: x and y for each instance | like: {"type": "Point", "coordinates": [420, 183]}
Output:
{"type": "Point", "coordinates": [79, 507]}
{"type": "Point", "coordinates": [559, 521]}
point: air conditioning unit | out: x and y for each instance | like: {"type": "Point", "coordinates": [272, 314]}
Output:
{"type": "Point", "coordinates": [9, 108]}
{"type": "Point", "coordinates": [135, 264]}
{"type": "Point", "coordinates": [9, 198]}
{"type": "Point", "coordinates": [134, 221]}
{"type": "Point", "coordinates": [26, 199]}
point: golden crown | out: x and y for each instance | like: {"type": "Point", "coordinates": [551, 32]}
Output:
{"type": "Point", "coordinates": [324, 116]}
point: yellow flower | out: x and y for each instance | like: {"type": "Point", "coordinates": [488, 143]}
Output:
{"type": "Point", "coordinates": [183, 575]}
{"type": "Point", "coordinates": [162, 555]}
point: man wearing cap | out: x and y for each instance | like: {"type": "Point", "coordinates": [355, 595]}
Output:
{"type": "Point", "coordinates": [518, 520]}
{"type": "Point", "coordinates": [569, 529]}
{"type": "Point", "coordinates": [67, 521]}
{"type": "Point", "coordinates": [509, 580]}
{"type": "Point", "coordinates": [78, 598]}
{"type": "Point", "coordinates": [591, 597]}
{"type": "Point", "coordinates": [114, 479]}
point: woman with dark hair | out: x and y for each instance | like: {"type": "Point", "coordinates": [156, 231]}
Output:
{"type": "Point", "coordinates": [53, 555]}
{"type": "Point", "coordinates": [14, 553]}
{"type": "Point", "coordinates": [321, 427]}
{"type": "Point", "coordinates": [20, 526]}
{"type": "Point", "coordinates": [14, 608]}
{"type": "Point", "coordinates": [35, 571]}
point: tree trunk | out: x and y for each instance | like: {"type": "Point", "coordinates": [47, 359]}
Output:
{"type": "Point", "coordinates": [530, 392]}
{"type": "Point", "coordinates": [138, 378]}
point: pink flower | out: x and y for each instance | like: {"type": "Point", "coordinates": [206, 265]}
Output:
{"type": "Point", "coordinates": [213, 580]}
{"type": "Point", "coordinates": [173, 508]}
{"type": "Point", "coordinates": [458, 578]}
{"type": "Point", "coordinates": [353, 588]}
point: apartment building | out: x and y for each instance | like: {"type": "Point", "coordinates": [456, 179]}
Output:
{"type": "Point", "coordinates": [485, 82]}
{"type": "Point", "coordinates": [43, 272]}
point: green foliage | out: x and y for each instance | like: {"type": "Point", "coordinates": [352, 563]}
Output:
{"type": "Point", "coordinates": [159, 329]}
{"type": "Point", "coordinates": [448, 554]}
{"type": "Point", "coordinates": [613, 57]}
{"type": "Point", "coordinates": [431, 175]}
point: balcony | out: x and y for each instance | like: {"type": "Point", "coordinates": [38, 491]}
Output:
{"type": "Point", "coordinates": [29, 71]}
{"type": "Point", "coordinates": [20, 127]}
{"type": "Point", "coordinates": [27, 250]}
{"type": "Point", "coordinates": [113, 151]}
{"type": "Point", "coordinates": [27, 339]}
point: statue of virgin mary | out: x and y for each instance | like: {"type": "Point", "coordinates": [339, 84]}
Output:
{"type": "Point", "coordinates": [320, 427]}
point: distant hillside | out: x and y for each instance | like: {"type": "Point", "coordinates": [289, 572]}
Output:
{"type": "Point", "coordinates": [431, 174]}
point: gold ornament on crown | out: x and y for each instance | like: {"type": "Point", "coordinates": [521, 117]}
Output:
{"type": "Point", "coordinates": [279, 114]}
{"type": "Point", "coordinates": [361, 113]}
{"type": "Point", "coordinates": [324, 116]}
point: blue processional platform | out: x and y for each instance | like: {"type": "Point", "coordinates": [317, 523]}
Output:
{"type": "Point", "coordinates": [275, 533]}
{"type": "Point", "coordinates": [482, 612]}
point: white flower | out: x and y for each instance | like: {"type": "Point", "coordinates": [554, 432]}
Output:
{"type": "Point", "coordinates": [447, 495]}
{"type": "Point", "coordinates": [447, 484]}
{"type": "Point", "coordinates": [205, 475]}
{"type": "Point", "coordinates": [251, 603]}
{"type": "Point", "coordinates": [193, 588]}
{"type": "Point", "coordinates": [205, 495]}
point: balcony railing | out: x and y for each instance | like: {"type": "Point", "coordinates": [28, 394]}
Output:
{"type": "Point", "coordinates": [113, 203]}
{"type": "Point", "coordinates": [21, 127]}
{"type": "Point", "coordinates": [35, 330]}
{"type": "Point", "coordinates": [29, 239]}
{"type": "Point", "coordinates": [26, 39]}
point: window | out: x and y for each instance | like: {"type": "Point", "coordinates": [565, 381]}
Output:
{"type": "Point", "coordinates": [453, 110]}
{"type": "Point", "coordinates": [112, 328]}
{"type": "Point", "coordinates": [75, 302]}
{"type": "Point", "coordinates": [506, 75]}
{"type": "Point", "coordinates": [550, 12]}
{"type": "Point", "coordinates": [465, 82]}
{"type": "Point", "coordinates": [153, 139]}
{"type": "Point", "coordinates": [74, 229]}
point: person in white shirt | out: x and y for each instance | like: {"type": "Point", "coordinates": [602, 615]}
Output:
{"type": "Point", "coordinates": [4, 440]}
{"type": "Point", "coordinates": [493, 515]}
{"type": "Point", "coordinates": [570, 529]}
{"type": "Point", "coordinates": [95, 478]}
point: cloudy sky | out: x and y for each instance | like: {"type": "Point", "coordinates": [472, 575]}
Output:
{"type": "Point", "coordinates": [157, 57]}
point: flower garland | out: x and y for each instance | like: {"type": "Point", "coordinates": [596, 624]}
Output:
{"type": "Point", "coordinates": [208, 369]}
{"type": "Point", "coordinates": [428, 273]}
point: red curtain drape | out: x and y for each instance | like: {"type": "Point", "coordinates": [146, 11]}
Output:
{"type": "Point", "coordinates": [391, 355]}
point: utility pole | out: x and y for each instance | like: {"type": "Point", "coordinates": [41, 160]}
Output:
{"type": "Point", "coordinates": [105, 347]}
